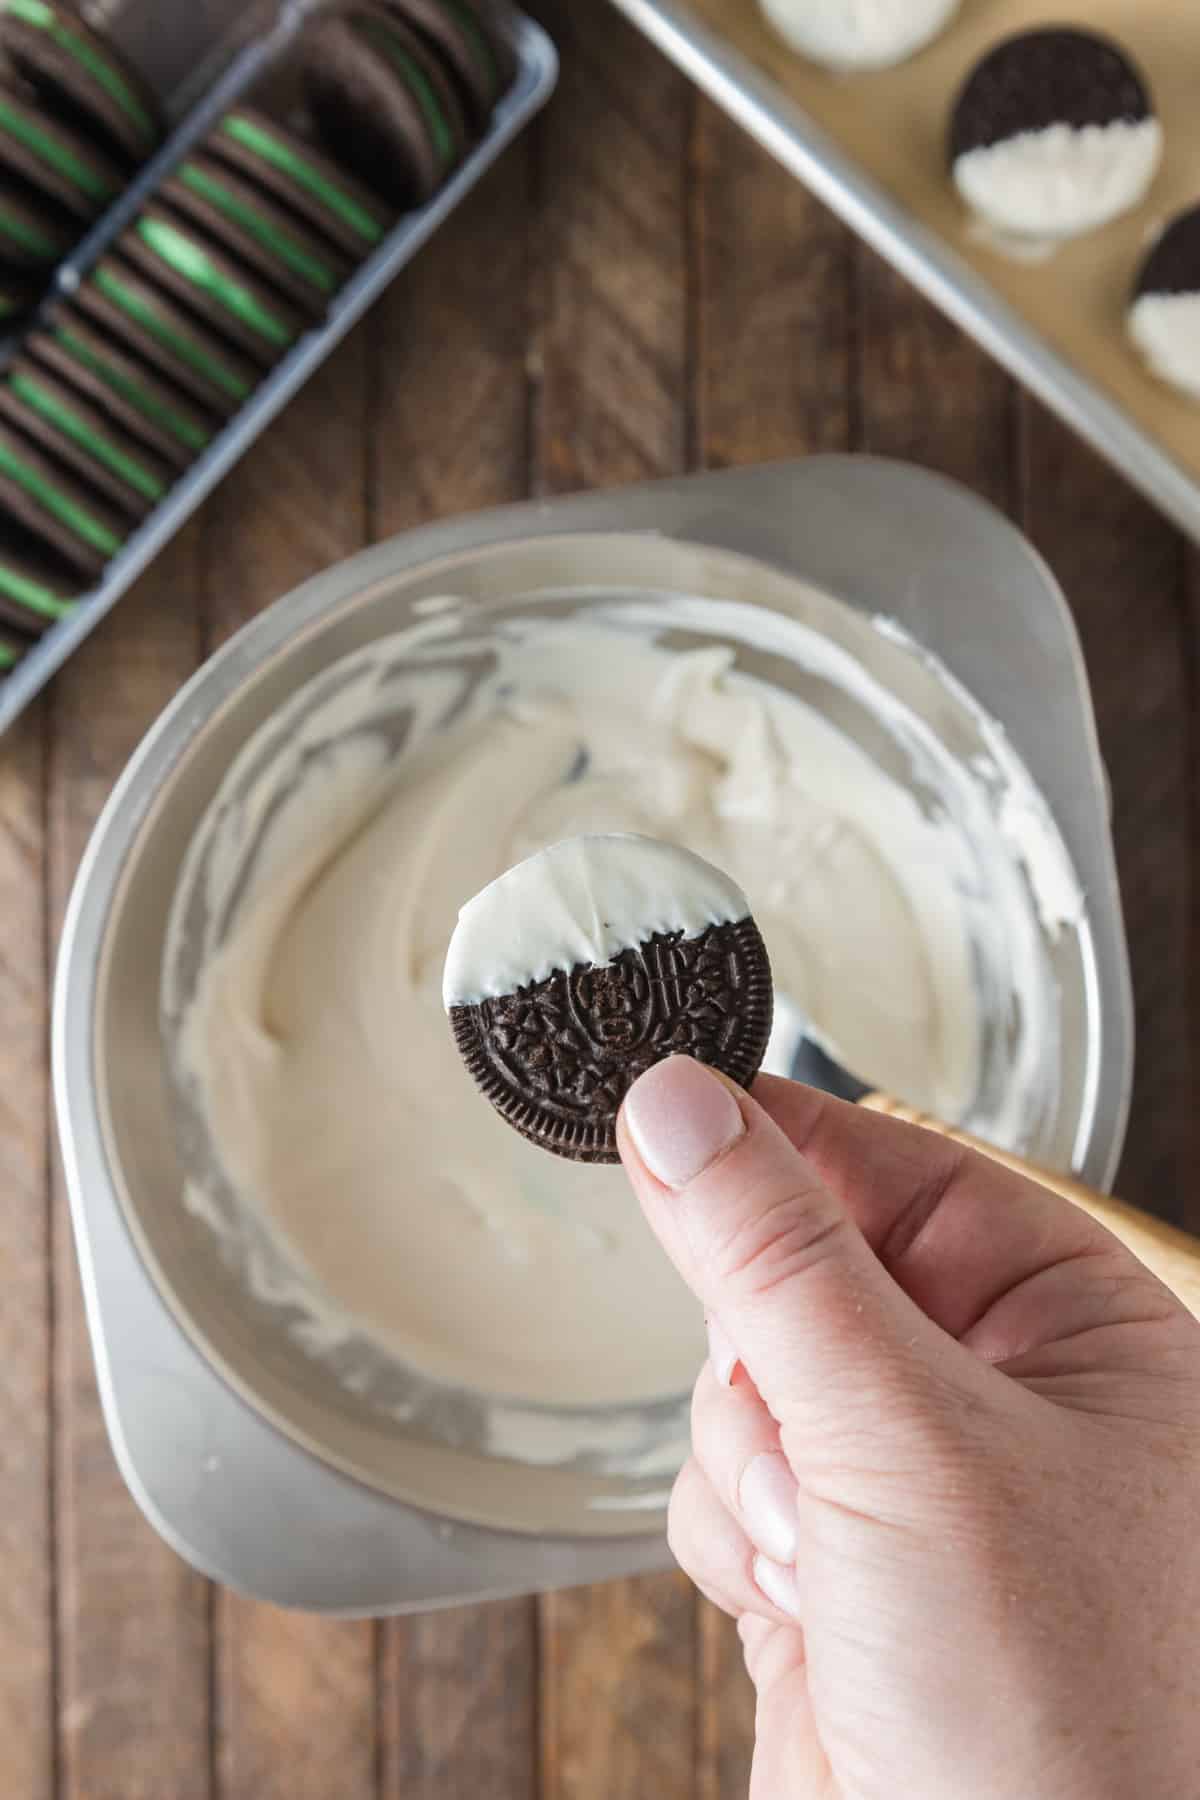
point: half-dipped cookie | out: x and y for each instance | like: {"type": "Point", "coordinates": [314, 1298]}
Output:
{"type": "Point", "coordinates": [268, 239]}
{"type": "Point", "coordinates": [153, 411]}
{"type": "Point", "coordinates": [194, 270]}
{"type": "Point", "coordinates": [302, 179]}
{"type": "Point", "coordinates": [1054, 134]}
{"type": "Point", "coordinates": [57, 162]}
{"type": "Point", "coordinates": [79, 74]}
{"type": "Point", "coordinates": [36, 589]}
{"type": "Point", "coordinates": [140, 315]}
{"type": "Point", "coordinates": [579, 969]}
{"type": "Point", "coordinates": [476, 60]}
{"type": "Point", "coordinates": [383, 103]}
{"type": "Point", "coordinates": [1164, 314]}
{"type": "Point", "coordinates": [83, 438]}
{"type": "Point", "coordinates": [55, 507]}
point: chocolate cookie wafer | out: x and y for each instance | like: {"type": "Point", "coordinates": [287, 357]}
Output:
{"type": "Point", "coordinates": [151, 410]}
{"type": "Point", "coordinates": [583, 966]}
{"type": "Point", "coordinates": [384, 103]}
{"type": "Point", "coordinates": [36, 590]}
{"type": "Point", "coordinates": [34, 235]}
{"type": "Point", "coordinates": [195, 270]}
{"type": "Point", "coordinates": [139, 315]}
{"type": "Point", "coordinates": [54, 507]}
{"type": "Point", "coordinates": [81, 75]}
{"type": "Point", "coordinates": [83, 438]}
{"type": "Point", "coordinates": [58, 162]}
{"type": "Point", "coordinates": [300, 177]}
{"type": "Point", "coordinates": [477, 61]}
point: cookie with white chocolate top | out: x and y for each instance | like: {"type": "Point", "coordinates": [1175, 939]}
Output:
{"type": "Point", "coordinates": [577, 970]}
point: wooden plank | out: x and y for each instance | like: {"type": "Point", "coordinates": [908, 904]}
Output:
{"type": "Point", "coordinates": [774, 306]}
{"type": "Point", "coordinates": [618, 1668]}
{"type": "Point", "coordinates": [449, 435]}
{"type": "Point", "coordinates": [926, 393]}
{"type": "Point", "coordinates": [133, 1619]}
{"type": "Point", "coordinates": [296, 1695]}
{"type": "Point", "coordinates": [459, 1700]}
{"type": "Point", "coordinates": [26, 1609]}
{"type": "Point", "coordinates": [1121, 566]}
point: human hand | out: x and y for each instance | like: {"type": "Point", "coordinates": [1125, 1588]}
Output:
{"type": "Point", "coordinates": [946, 1456]}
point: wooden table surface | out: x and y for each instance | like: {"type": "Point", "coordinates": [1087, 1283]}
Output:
{"type": "Point", "coordinates": [635, 291]}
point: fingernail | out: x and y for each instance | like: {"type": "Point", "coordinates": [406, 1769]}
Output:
{"type": "Point", "coordinates": [681, 1118]}
{"type": "Point", "coordinates": [779, 1585]}
{"type": "Point", "coordinates": [721, 1354]}
{"type": "Point", "coordinates": [768, 1498]}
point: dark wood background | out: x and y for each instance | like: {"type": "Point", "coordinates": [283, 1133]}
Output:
{"type": "Point", "coordinates": [636, 291]}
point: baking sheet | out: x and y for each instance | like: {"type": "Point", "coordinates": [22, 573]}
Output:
{"type": "Point", "coordinates": [873, 145]}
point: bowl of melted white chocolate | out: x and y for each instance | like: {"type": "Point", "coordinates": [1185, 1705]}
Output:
{"type": "Point", "coordinates": [397, 1279]}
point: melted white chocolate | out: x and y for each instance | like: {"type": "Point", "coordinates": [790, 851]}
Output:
{"type": "Point", "coordinates": [329, 873]}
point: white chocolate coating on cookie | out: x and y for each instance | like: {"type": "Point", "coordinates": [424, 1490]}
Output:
{"type": "Point", "coordinates": [1057, 183]}
{"type": "Point", "coordinates": [859, 34]}
{"type": "Point", "coordinates": [581, 901]}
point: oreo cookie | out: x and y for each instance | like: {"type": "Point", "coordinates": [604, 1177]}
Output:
{"type": "Point", "coordinates": [476, 61]}
{"type": "Point", "coordinates": [139, 315]}
{"type": "Point", "coordinates": [300, 177]}
{"type": "Point", "coordinates": [77, 73]}
{"type": "Point", "coordinates": [259, 231]}
{"type": "Point", "coordinates": [56, 161]}
{"type": "Point", "coordinates": [17, 295]}
{"type": "Point", "coordinates": [55, 508]}
{"type": "Point", "coordinates": [83, 438]}
{"type": "Point", "coordinates": [152, 411]}
{"type": "Point", "coordinates": [1164, 313]}
{"type": "Point", "coordinates": [384, 104]}
{"type": "Point", "coordinates": [213, 285]}
{"type": "Point", "coordinates": [33, 235]}
{"type": "Point", "coordinates": [35, 590]}
{"type": "Point", "coordinates": [1054, 134]}
{"type": "Point", "coordinates": [579, 969]}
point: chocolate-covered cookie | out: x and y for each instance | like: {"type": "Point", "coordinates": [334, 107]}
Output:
{"type": "Point", "coordinates": [384, 104]}
{"type": "Point", "coordinates": [583, 966]}
{"type": "Point", "coordinates": [1054, 134]}
{"type": "Point", "coordinates": [1164, 313]}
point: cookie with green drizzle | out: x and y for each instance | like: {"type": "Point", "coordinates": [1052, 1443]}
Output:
{"type": "Point", "coordinates": [82, 77]}
{"type": "Point", "coordinates": [56, 508]}
{"type": "Point", "coordinates": [384, 104]}
{"type": "Point", "coordinates": [56, 161]}
{"type": "Point", "coordinates": [296, 174]}
{"type": "Point", "coordinates": [259, 232]}
{"type": "Point", "coordinates": [153, 411]}
{"type": "Point", "coordinates": [139, 315]}
{"type": "Point", "coordinates": [36, 590]}
{"type": "Point", "coordinates": [196, 271]}
{"type": "Point", "coordinates": [477, 61]}
{"type": "Point", "coordinates": [83, 438]}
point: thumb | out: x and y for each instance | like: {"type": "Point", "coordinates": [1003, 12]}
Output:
{"type": "Point", "coordinates": [813, 1315]}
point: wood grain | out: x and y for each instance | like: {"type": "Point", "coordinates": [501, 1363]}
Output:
{"type": "Point", "coordinates": [133, 1620]}
{"type": "Point", "coordinates": [618, 1663]}
{"type": "Point", "coordinates": [26, 1635]}
{"type": "Point", "coordinates": [296, 1696]}
{"type": "Point", "coordinates": [1121, 566]}
{"type": "Point", "coordinates": [449, 434]}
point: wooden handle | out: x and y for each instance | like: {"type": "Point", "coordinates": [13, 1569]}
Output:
{"type": "Point", "coordinates": [1172, 1255]}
